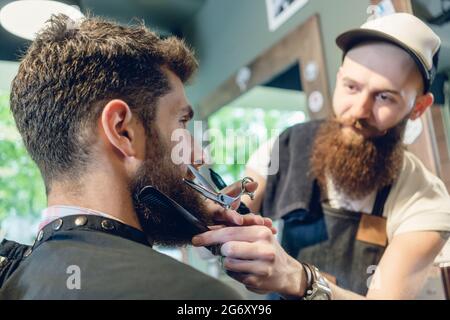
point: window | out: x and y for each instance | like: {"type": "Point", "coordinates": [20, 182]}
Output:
{"type": "Point", "coordinates": [22, 191]}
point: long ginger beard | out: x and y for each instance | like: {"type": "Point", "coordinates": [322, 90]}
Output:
{"type": "Point", "coordinates": [357, 166]}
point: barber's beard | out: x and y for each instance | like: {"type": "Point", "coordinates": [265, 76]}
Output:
{"type": "Point", "coordinates": [359, 166]}
{"type": "Point", "coordinates": [159, 171]}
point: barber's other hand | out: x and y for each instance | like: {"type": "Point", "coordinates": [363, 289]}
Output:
{"type": "Point", "coordinates": [253, 256]}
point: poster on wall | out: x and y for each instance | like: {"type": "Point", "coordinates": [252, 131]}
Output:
{"type": "Point", "coordinates": [279, 11]}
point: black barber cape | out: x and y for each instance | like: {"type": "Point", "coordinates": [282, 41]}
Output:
{"type": "Point", "coordinates": [92, 257]}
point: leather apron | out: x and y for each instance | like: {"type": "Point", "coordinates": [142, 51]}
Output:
{"type": "Point", "coordinates": [327, 238]}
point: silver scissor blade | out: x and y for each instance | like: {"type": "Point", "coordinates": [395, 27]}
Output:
{"type": "Point", "coordinates": [222, 199]}
{"type": "Point", "coordinates": [205, 192]}
{"type": "Point", "coordinates": [201, 179]}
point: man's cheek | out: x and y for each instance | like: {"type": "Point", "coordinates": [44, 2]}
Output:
{"type": "Point", "coordinates": [385, 118]}
{"type": "Point", "coordinates": [339, 104]}
{"type": "Point", "coordinates": [343, 108]}
{"type": "Point", "coordinates": [183, 170]}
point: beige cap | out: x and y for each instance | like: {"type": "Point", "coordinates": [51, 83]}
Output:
{"type": "Point", "coordinates": [404, 30]}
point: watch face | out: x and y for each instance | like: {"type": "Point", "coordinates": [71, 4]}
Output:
{"type": "Point", "coordinates": [320, 293]}
{"type": "Point", "coordinates": [321, 296]}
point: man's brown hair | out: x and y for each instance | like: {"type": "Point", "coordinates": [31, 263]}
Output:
{"type": "Point", "coordinates": [72, 69]}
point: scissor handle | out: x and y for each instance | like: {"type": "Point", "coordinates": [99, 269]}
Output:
{"type": "Point", "coordinates": [244, 181]}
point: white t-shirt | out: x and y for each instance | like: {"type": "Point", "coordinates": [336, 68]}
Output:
{"type": "Point", "coordinates": [418, 200]}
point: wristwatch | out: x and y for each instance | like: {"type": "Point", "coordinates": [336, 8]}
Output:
{"type": "Point", "coordinates": [317, 286]}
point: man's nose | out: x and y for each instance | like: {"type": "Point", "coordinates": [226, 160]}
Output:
{"type": "Point", "coordinates": [362, 107]}
{"type": "Point", "coordinates": [198, 154]}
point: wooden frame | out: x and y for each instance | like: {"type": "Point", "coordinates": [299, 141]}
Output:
{"type": "Point", "coordinates": [276, 21]}
{"type": "Point", "coordinates": [303, 45]}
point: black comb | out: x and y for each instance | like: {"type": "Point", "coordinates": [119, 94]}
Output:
{"type": "Point", "coordinates": [158, 201]}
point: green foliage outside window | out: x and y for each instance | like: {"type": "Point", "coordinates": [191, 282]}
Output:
{"type": "Point", "coordinates": [22, 191]}
{"type": "Point", "coordinates": [259, 123]}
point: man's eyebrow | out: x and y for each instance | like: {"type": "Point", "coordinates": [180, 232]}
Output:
{"type": "Point", "coordinates": [347, 79]}
{"type": "Point", "coordinates": [189, 111]}
{"type": "Point", "coordinates": [386, 90]}
{"type": "Point", "coordinates": [391, 91]}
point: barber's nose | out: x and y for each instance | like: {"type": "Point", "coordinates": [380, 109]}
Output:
{"type": "Point", "coordinates": [362, 107]}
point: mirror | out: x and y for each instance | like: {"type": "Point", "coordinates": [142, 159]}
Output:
{"type": "Point", "coordinates": [283, 86]}
{"type": "Point", "coordinates": [259, 115]}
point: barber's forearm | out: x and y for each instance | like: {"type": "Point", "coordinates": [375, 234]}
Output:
{"type": "Point", "coordinates": [337, 293]}
{"type": "Point", "coordinates": [295, 281]}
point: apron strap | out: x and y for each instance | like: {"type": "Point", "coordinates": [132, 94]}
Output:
{"type": "Point", "coordinates": [380, 201]}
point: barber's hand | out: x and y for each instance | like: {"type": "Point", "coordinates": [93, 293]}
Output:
{"type": "Point", "coordinates": [253, 256]}
{"type": "Point", "coordinates": [229, 217]}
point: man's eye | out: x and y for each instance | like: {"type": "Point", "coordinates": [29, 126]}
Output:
{"type": "Point", "coordinates": [184, 121]}
{"type": "Point", "coordinates": [350, 87]}
{"type": "Point", "coordinates": [385, 97]}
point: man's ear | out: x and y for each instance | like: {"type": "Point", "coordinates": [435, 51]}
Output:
{"type": "Point", "coordinates": [422, 104]}
{"type": "Point", "coordinates": [116, 123]}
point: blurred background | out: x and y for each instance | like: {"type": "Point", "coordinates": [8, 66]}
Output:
{"type": "Point", "coordinates": [264, 65]}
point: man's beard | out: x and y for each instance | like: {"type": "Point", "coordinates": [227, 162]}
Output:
{"type": "Point", "coordinates": [159, 171]}
{"type": "Point", "coordinates": [357, 168]}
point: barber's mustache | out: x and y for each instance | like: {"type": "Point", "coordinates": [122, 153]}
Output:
{"type": "Point", "coordinates": [361, 124]}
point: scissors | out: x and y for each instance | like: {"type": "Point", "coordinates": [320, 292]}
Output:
{"type": "Point", "coordinates": [208, 191]}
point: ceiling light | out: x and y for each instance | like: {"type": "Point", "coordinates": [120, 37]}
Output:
{"type": "Point", "coordinates": [26, 17]}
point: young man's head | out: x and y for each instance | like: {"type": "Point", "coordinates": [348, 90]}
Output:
{"type": "Point", "coordinates": [384, 80]}
{"type": "Point", "coordinates": [93, 98]}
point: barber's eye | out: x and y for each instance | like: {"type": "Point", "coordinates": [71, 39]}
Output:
{"type": "Point", "coordinates": [385, 97]}
{"type": "Point", "coordinates": [350, 87]}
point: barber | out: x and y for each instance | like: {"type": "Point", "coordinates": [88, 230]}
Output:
{"type": "Point", "coordinates": [363, 217]}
